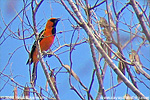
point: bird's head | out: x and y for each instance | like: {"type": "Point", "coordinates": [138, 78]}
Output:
{"type": "Point", "coordinates": [52, 22]}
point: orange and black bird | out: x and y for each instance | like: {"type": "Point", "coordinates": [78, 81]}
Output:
{"type": "Point", "coordinates": [46, 39]}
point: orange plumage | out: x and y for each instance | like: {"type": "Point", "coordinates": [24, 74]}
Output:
{"type": "Point", "coordinates": [46, 39]}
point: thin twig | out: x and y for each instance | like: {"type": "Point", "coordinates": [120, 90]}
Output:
{"type": "Point", "coordinates": [100, 49]}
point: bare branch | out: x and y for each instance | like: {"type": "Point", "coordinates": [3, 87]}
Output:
{"type": "Point", "coordinates": [100, 49]}
{"type": "Point", "coordinates": [141, 20]}
{"type": "Point", "coordinates": [34, 11]}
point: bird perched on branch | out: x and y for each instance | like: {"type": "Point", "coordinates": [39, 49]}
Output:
{"type": "Point", "coordinates": [46, 39]}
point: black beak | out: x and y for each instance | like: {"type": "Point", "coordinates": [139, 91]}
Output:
{"type": "Point", "coordinates": [58, 19]}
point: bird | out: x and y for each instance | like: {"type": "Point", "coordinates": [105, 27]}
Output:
{"type": "Point", "coordinates": [46, 39]}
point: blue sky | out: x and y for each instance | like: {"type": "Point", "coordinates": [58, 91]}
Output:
{"type": "Point", "coordinates": [13, 50]}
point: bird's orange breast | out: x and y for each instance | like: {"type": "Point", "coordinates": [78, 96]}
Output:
{"type": "Point", "coordinates": [45, 43]}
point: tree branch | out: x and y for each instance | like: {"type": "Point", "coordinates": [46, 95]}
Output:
{"type": "Point", "coordinates": [141, 20]}
{"type": "Point", "coordinates": [100, 49]}
{"type": "Point", "coordinates": [39, 51]}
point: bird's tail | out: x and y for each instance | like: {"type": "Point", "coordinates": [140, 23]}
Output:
{"type": "Point", "coordinates": [34, 73]}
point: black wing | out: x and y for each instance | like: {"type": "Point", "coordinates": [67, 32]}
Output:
{"type": "Point", "coordinates": [41, 36]}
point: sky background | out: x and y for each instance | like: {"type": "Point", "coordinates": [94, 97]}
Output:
{"type": "Point", "coordinates": [13, 56]}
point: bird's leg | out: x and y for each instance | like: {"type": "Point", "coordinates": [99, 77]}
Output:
{"type": "Point", "coordinates": [50, 53]}
{"type": "Point", "coordinates": [44, 53]}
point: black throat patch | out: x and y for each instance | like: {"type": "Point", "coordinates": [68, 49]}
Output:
{"type": "Point", "coordinates": [54, 31]}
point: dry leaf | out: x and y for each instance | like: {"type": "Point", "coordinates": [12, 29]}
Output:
{"type": "Point", "coordinates": [72, 72]}
{"type": "Point", "coordinates": [127, 97]}
{"type": "Point", "coordinates": [18, 32]}
{"type": "Point", "coordinates": [121, 66]}
{"type": "Point", "coordinates": [15, 93]}
{"type": "Point", "coordinates": [107, 33]}
{"type": "Point", "coordinates": [103, 23]}
{"type": "Point", "coordinates": [137, 58]}
{"type": "Point", "coordinates": [134, 57]}
{"type": "Point", "coordinates": [26, 92]}
{"type": "Point", "coordinates": [53, 78]}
